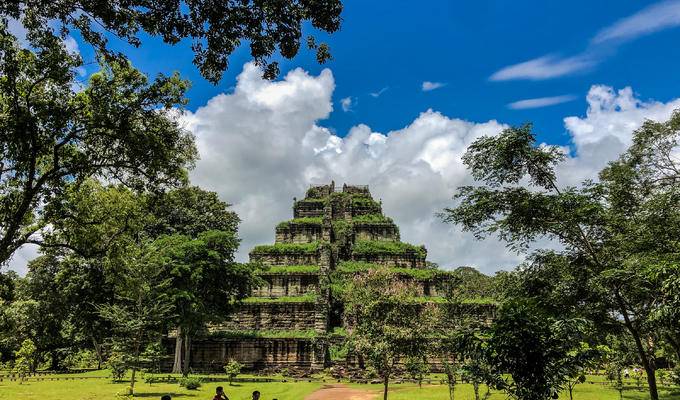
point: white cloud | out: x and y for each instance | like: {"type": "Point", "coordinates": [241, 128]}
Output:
{"type": "Point", "coordinates": [347, 103]}
{"type": "Point", "coordinates": [659, 16]}
{"type": "Point", "coordinates": [71, 45]}
{"type": "Point", "coordinates": [379, 92]}
{"type": "Point", "coordinates": [260, 154]}
{"type": "Point", "coordinates": [427, 85]}
{"type": "Point", "coordinates": [654, 18]}
{"type": "Point", "coordinates": [606, 130]}
{"type": "Point", "coordinates": [16, 28]}
{"type": "Point", "coordinates": [545, 67]}
{"type": "Point", "coordinates": [21, 258]}
{"type": "Point", "coordinates": [540, 102]}
{"type": "Point", "coordinates": [263, 144]}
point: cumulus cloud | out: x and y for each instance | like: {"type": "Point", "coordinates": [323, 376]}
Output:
{"type": "Point", "coordinates": [264, 144]}
{"type": "Point", "coordinates": [346, 104]}
{"type": "Point", "coordinates": [427, 85]}
{"type": "Point", "coordinates": [540, 102]}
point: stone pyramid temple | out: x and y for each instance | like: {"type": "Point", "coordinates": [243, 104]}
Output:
{"type": "Point", "coordinates": [293, 320]}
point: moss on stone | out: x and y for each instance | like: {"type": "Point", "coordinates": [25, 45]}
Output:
{"type": "Point", "coordinates": [264, 334]}
{"type": "Point", "coordinates": [349, 267]}
{"type": "Point", "coordinates": [287, 248]}
{"type": "Point", "coordinates": [308, 298]}
{"type": "Point", "coordinates": [308, 221]}
{"type": "Point", "coordinates": [372, 219]}
{"type": "Point", "coordinates": [290, 270]}
{"type": "Point", "coordinates": [378, 247]}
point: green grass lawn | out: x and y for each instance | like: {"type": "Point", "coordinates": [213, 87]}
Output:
{"type": "Point", "coordinates": [98, 386]}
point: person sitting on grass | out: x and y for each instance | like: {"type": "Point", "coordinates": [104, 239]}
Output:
{"type": "Point", "coordinates": [256, 395]}
{"type": "Point", "coordinates": [219, 394]}
{"type": "Point", "coordinates": [166, 397]}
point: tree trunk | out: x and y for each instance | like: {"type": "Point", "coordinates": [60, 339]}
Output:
{"type": "Point", "coordinates": [98, 351]}
{"type": "Point", "coordinates": [187, 354]}
{"type": "Point", "coordinates": [475, 386]}
{"type": "Point", "coordinates": [642, 352]}
{"type": "Point", "coordinates": [179, 341]}
{"type": "Point", "coordinates": [386, 383]}
{"type": "Point", "coordinates": [54, 361]}
{"type": "Point", "coordinates": [132, 381]}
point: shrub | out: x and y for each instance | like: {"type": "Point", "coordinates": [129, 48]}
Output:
{"type": "Point", "coordinates": [25, 357]}
{"type": "Point", "coordinates": [116, 363]}
{"type": "Point", "coordinates": [232, 369]}
{"type": "Point", "coordinates": [80, 359]}
{"type": "Point", "coordinates": [675, 376]}
{"type": "Point", "coordinates": [191, 382]}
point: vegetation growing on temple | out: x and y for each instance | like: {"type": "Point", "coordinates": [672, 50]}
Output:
{"type": "Point", "coordinates": [304, 221]}
{"type": "Point", "coordinates": [308, 298]}
{"type": "Point", "coordinates": [380, 247]}
{"type": "Point", "coordinates": [289, 269]}
{"type": "Point", "coordinates": [287, 248]}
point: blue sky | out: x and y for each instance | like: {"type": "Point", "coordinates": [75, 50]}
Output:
{"type": "Point", "coordinates": [392, 47]}
{"type": "Point", "coordinates": [587, 74]}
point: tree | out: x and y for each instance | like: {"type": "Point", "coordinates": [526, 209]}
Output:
{"type": "Point", "coordinates": [38, 311]}
{"type": "Point", "coordinates": [96, 224]}
{"type": "Point", "coordinates": [609, 230]}
{"type": "Point", "coordinates": [119, 127]}
{"type": "Point", "coordinates": [232, 369]}
{"type": "Point", "coordinates": [216, 29]}
{"type": "Point", "coordinates": [25, 358]}
{"type": "Point", "coordinates": [533, 349]}
{"type": "Point", "coordinates": [417, 368]}
{"type": "Point", "coordinates": [142, 306]}
{"type": "Point", "coordinates": [577, 363]}
{"type": "Point", "coordinates": [206, 283]}
{"type": "Point", "coordinates": [386, 321]}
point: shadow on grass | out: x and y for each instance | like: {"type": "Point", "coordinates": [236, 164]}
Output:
{"type": "Point", "coordinates": [158, 395]}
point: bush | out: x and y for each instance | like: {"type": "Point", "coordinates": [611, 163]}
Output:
{"type": "Point", "coordinates": [675, 376]}
{"type": "Point", "coordinates": [232, 369]}
{"type": "Point", "coordinates": [25, 358]}
{"type": "Point", "coordinates": [116, 363]}
{"type": "Point", "coordinates": [80, 359]}
{"type": "Point", "coordinates": [190, 382]}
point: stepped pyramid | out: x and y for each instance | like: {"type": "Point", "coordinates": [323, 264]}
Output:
{"type": "Point", "coordinates": [332, 232]}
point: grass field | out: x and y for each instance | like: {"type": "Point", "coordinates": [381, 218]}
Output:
{"type": "Point", "coordinates": [96, 385]}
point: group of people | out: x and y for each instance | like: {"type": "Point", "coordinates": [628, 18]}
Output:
{"type": "Point", "coordinates": [220, 395]}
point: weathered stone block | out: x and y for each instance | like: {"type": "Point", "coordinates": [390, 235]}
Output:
{"type": "Point", "coordinates": [280, 285]}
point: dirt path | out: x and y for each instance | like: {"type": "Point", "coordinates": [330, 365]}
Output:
{"type": "Point", "coordinates": [341, 392]}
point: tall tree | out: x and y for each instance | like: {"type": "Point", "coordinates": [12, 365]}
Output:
{"type": "Point", "coordinates": [119, 127]}
{"type": "Point", "coordinates": [206, 284]}
{"type": "Point", "coordinates": [608, 230]}
{"type": "Point", "coordinates": [142, 306]}
{"type": "Point", "coordinates": [386, 322]}
{"type": "Point", "coordinates": [216, 29]}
